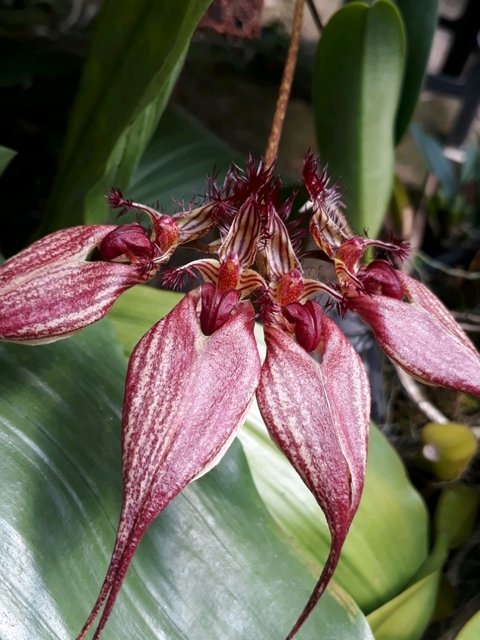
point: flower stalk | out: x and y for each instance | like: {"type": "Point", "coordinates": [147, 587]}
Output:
{"type": "Point", "coordinates": [273, 143]}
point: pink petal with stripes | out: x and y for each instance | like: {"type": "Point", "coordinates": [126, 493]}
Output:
{"type": "Point", "coordinates": [318, 414]}
{"type": "Point", "coordinates": [186, 394]}
{"type": "Point", "coordinates": [49, 290]}
{"type": "Point", "coordinates": [422, 337]}
{"type": "Point", "coordinates": [420, 295]}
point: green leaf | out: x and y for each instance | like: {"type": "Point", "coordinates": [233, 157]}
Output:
{"type": "Point", "coordinates": [6, 156]}
{"type": "Point", "coordinates": [211, 566]}
{"type": "Point", "coordinates": [420, 21]}
{"type": "Point", "coordinates": [178, 160]}
{"type": "Point", "coordinates": [471, 631]}
{"type": "Point", "coordinates": [456, 514]}
{"type": "Point", "coordinates": [432, 154]}
{"type": "Point", "coordinates": [356, 88]}
{"type": "Point", "coordinates": [136, 55]}
{"type": "Point", "coordinates": [406, 616]}
{"type": "Point", "coordinates": [382, 552]}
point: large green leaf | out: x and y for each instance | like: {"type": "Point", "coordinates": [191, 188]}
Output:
{"type": "Point", "coordinates": [211, 566]}
{"type": "Point", "coordinates": [178, 160]}
{"type": "Point", "coordinates": [420, 20]}
{"type": "Point", "coordinates": [388, 540]}
{"type": "Point", "coordinates": [136, 55]}
{"type": "Point", "coordinates": [407, 615]}
{"type": "Point", "coordinates": [356, 88]}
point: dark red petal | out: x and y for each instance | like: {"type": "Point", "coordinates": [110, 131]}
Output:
{"type": "Point", "coordinates": [424, 340]}
{"type": "Point", "coordinates": [129, 240]}
{"type": "Point", "coordinates": [379, 277]}
{"type": "Point", "coordinates": [49, 291]}
{"type": "Point", "coordinates": [308, 321]}
{"type": "Point", "coordinates": [318, 414]}
{"type": "Point", "coordinates": [186, 394]}
{"type": "Point", "coordinates": [216, 308]}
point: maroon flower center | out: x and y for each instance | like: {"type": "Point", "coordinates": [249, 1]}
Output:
{"type": "Point", "coordinates": [217, 307]}
{"type": "Point", "coordinates": [380, 278]}
{"type": "Point", "coordinates": [307, 319]}
{"type": "Point", "coordinates": [128, 242]}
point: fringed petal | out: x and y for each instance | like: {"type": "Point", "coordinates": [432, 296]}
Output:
{"type": "Point", "coordinates": [184, 400]}
{"type": "Point", "coordinates": [318, 414]}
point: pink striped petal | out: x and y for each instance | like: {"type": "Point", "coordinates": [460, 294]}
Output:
{"type": "Point", "coordinates": [420, 295]}
{"type": "Point", "coordinates": [318, 414]}
{"type": "Point", "coordinates": [186, 394]}
{"type": "Point", "coordinates": [49, 290]}
{"type": "Point", "coordinates": [422, 337]}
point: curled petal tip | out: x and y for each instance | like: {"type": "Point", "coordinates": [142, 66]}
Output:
{"type": "Point", "coordinates": [318, 414]}
{"type": "Point", "coordinates": [184, 400]}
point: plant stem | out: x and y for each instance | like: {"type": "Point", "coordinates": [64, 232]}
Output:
{"type": "Point", "coordinates": [271, 151]}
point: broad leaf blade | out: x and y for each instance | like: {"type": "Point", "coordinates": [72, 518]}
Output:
{"type": "Point", "coordinates": [136, 55]}
{"type": "Point", "coordinates": [357, 81]}
{"type": "Point", "coordinates": [211, 566]}
{"type": "Point", "coordinates": [407, 616]}
{"type": "Point", "coordinates": [180, 156]}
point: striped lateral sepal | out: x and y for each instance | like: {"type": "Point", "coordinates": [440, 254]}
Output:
{"type": "Point", "coordinates": [50, 290]}
{"type": "Point", "coordinates": [184, 401]}
{"type": "Point", "coordinates": [422, 337]}
{"type": "Point", "coordinates": [318, 414]}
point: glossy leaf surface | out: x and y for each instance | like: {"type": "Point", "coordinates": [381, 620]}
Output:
{"type": "Point", "coordinates": [356, 87]}
{"type": "Point", "coordinates": [406, 616]}
{"type": "Point", "coordinates": [380, 554]}
{"type": "Point", "coordinates": [180, 156]}
{"type": "Point", "coordinates": [211, 566]}
{"type": "Point", "coordinates": [136, 55]}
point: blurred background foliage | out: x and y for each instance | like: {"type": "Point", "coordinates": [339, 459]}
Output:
{"type": "Point", "coordinates": [151, 97]}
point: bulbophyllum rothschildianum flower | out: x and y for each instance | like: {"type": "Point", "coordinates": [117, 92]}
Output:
{"type": "Point", "coordinates": [192, 377]}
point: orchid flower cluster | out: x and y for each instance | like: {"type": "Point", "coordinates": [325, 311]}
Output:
{"type": "Point", "coordinates": [193, 375]}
